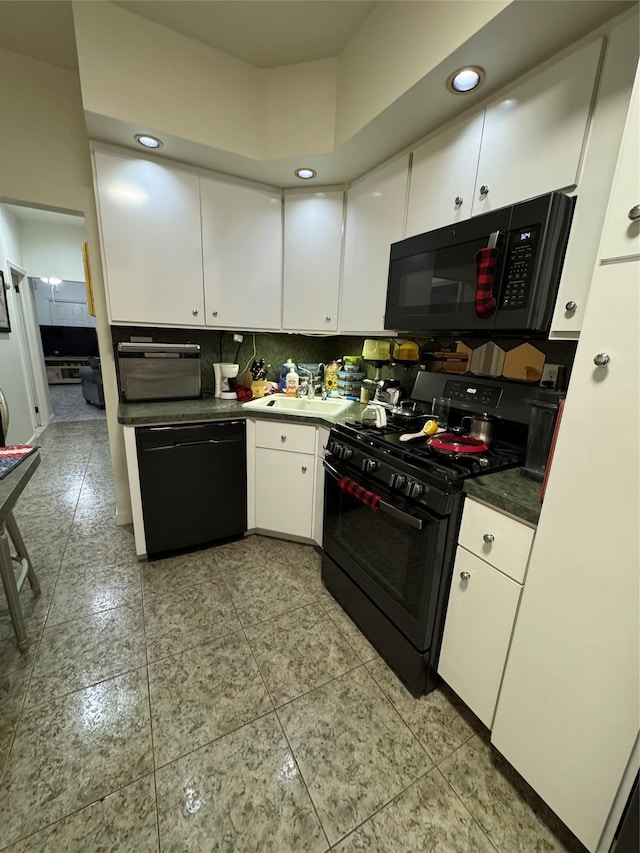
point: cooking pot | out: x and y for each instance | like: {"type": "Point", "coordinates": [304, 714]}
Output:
{"type": "Point", "coordinates": [454, 445]}
{"type": "Point", "coordinates": [481, 427]}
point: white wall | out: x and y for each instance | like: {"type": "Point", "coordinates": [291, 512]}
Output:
{"type": "Point", "coordinates": [58, 176]}
{"type": "Point", "coordinates": [49, 249]}
{"type": "Point", "coordinates": [13, 376]}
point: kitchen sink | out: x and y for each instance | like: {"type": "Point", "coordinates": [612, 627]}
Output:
{"type": "Point", "coordinates": [299, 406]}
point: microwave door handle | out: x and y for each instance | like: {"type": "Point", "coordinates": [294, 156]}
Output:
{"type": "Point", "coordinates": [385, 507]}
{"type": "Point", "coordinates": [493, 240]}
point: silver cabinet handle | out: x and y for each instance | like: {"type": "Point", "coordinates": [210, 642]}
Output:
{"type": "Point", "coordinates": [465, 576]}
{"type": "Point", "coordinates": [634, 213]}
{"type": "Point", "coordinates": [571, 306]}
{"type": "Point", "coordinates": [458, 200]}
{"type": "Point", "coordinates": [488, 538]}
{"type": "Point", "coordinates": [327, 319]}
{"type": "Point", "coordinates": [214, 313]}
{"type": "Point", "coordinates": [602, 359]}
{"type": "Point", "coordinates": [283, 438]}
{"type": "Point", "coordinates": [195, 312]}
{"type": "Point", "coordinates": [304, 469]}
{"type": "Point", "coordinates": [484, 189]}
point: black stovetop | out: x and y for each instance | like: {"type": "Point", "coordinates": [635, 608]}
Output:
{"type": "Point", "coordinates": [416, 452]}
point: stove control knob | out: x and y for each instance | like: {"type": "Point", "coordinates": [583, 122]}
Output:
{"type": "Point", "coordinates": [368, 465]}
{"type": "Point", "coordinates": [413, 490]}
{"type": "Point", "coordinates": [347, 453]}
{"type": "Point", "coordinates": [397, 481]}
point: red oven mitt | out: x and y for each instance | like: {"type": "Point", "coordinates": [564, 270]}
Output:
{"type": "Point", "coordinates": [486, 262]}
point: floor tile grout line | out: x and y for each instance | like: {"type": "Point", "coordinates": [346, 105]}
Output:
{"type": "Point", "coordinates": [302, 779]}
{"type": "Point", "coordinates": [384, 805]}
{"type": "Point", "coordinates": [466, 808]}
{"type": "Point", "coordinates": [23, 838]}
{"type": "Point", "coordinates": [153, 746]}
{"type": "Point", "coordinates": [59, 696]}
{"type": "Point", "coordinates": [284, 734]}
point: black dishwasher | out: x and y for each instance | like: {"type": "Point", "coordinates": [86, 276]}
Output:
{"type": "Point", "coordinates": [193, 482]}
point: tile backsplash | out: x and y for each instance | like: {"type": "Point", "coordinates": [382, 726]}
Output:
{"type": "Point", "coordinates": [276, 348]}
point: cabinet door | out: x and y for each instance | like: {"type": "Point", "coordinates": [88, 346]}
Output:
{"type": "Point", "coordinates": [284, 492]}
{"type": "Point", "coordinates": [242, 255]}
{"type": "Point", "coordinates": [568, 712]}
{"type": "Point", "coordinates": [621, 237]}
{"type": "Point", "coordinates": [480, 616]}
{"type": "Point", "coordinates": [152, 249]}
{"type": "Point", "coordinates": [533, 137]}
{"type": "Point", "coordinates": [312, 256]}
{"type": "Point", "coordinates": [443, 176]}
{"type": "Point", "coordinates": [375, 219]}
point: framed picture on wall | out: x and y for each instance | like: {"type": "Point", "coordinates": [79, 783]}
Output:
{"type": "Point", "coordinates": [5, 325]}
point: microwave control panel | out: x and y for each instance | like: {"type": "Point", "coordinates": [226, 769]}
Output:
{"type": "Point", "coordinates": [519, 268]}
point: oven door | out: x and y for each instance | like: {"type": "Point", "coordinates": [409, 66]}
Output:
{"type": "Point", "coordinates": [396, 555]}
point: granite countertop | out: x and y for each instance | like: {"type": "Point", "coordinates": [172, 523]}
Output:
{"type": "Point", "coordinates": [505, 490]}
{"type": "Point", "coordinates": [508, 491]}
{"type": "Point", "coordinates": [213, 408]}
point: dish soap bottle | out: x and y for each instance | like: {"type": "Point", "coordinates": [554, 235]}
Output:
{"type": "Point", "coordinates": [284, 370]}
{"type": "Point", "coordinates": [293, 380]}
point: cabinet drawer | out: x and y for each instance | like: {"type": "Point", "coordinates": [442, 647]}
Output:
{"type": "Point", "coordinates": [295, 438]}
{"type": "Point", "coordinates": [477, 631]}
{"type": "Point", "coordinates": [498, 539]}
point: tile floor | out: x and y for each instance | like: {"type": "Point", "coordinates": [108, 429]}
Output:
{"type": "Point", "coordinates": [221, 701]}
{"type": "Point", "coordinates": [68, 404]}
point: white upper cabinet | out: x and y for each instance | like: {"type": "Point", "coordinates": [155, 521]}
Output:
{"type": "Point", "coordinates": [151, 244]}
{"type": "Point", "coordinates": [375, 219]}
{"type": "Point", "coordinates": [443, 177]}
{"type": "Point", "coordinates": [312, 258]}
{"type": "Point", "coordinates": [242, 255]}
{"type": "Point", "coordinates": [621, 237]}
{"type": "Point", "coordinates": [534, 135]}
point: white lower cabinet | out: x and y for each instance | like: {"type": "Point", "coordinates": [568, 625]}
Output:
{"type": "Point", "coordinates": [488, 578]}
{"type": "Point", "coordinates": [284, 491]}
{"type": "Point", "coordinates": [286, 477]}
{"type": "Point", "coordinates": [480, 616]}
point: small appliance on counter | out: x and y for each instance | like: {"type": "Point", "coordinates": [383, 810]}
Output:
{"type": "Point", "coordinates": [222, 373]}
{"type": "Point", "coordinates": [544, 413]}
{"type": "Point", "coordinates": [153, 371]}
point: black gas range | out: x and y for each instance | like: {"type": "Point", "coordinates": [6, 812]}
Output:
{"type": "Point", "coordinates": [389, 561]}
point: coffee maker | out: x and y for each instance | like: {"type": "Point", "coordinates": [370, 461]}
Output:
{"type": "Point", "coordinates": [222, 373]}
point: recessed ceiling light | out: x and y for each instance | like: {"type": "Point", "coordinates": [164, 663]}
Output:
{"type": "Point", "coordinates": [305, 174]}
{"type": "Point", "coordinates": [148, 141]}
{"type": "Point", "coordinates": [465, 79]}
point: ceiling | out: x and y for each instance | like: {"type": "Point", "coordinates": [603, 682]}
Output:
{"type": "Point", "coordinates": [265, 33]}
{"type": "Point", "coordinates": [48, 217]}
{"type": "Point", "coordinates": [269, 33]}
{"type": "Point", "coordinates": [42, 29]}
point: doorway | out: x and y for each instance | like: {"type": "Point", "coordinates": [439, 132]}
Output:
{"type": "Point", "coordinates": [33, 360]}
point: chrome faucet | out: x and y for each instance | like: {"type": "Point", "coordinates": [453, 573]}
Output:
{"type": "Point", "coordinates": [311, 387]}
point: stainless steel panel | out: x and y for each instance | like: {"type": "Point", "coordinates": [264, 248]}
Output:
{"type": "Point", "coordinates": [159, 371]}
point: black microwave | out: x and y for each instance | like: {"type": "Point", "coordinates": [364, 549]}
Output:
{"type": "Point", "coordinates": [435, 282]}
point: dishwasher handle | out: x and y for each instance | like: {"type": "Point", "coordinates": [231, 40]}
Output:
{"type": "Point", "coordinates": [203, 443]}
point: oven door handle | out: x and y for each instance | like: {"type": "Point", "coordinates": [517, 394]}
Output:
{"type": "Point", "coordinates": [387, 508]}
